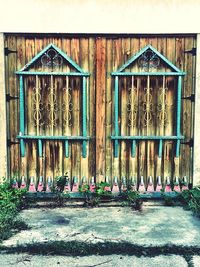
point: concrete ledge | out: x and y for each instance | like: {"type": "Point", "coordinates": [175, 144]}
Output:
{"type": "Point", "coordinates": [117, 196]}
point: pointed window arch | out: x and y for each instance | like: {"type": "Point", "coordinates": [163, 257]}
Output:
{"type": "Point", "coordinates": [149, 71]}
{"type": "Point", "coordinates": [43, 75]}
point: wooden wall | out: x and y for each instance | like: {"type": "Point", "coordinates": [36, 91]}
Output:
{"type": "Point", "coordinates": [99, 55]}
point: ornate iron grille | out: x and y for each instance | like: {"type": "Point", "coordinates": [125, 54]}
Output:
{"type": "Point", "coordinates": [148, 61]}
{"type": "Point", "coordinates": [52, 57]}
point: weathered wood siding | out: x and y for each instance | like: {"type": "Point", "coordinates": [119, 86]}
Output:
{"type": "Point", "coordinates": [99, 56]}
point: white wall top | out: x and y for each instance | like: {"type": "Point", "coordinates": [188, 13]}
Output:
{"type": "Point", "coordinates": [100, 16]}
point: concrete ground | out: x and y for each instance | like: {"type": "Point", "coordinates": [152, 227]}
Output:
{"type": "Point", "coordinates": [155, 225]}
{"type": "Point", "coordinates": [21, 260]}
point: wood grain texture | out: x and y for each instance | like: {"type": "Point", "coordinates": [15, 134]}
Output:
{"type": "Point", "coordinates": [100, 106]}
{"type": "Point", "coordinates": [109, 107]}
{"type": "Point", "coordinates": [76, 120]}
{"type": "Point", "coordinates": [117, 62]}
{"type": "Point", "coordinates": [100, 56]}
{"type": "Point", "coordinates": [66, 129]}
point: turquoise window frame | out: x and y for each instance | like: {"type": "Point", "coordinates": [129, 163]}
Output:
{"type": "Point", "coordinates": [22, 73]}
{"type": "Point", "coordinates": [116, 137]}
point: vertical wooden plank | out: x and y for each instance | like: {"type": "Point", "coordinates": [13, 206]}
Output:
{"type": "Point", "coordinates": [40, 145]}
{"type": "Point", "coordinates": [67, 129]}
{"type": "Point", "coordinates": [180, 64]}
{"type": "Point", "coordinates": [84, 54]}
{"type": "Point", "coordinates": [45, 167]}
{"type": "Point", "coordinates": [117, 62]}
{"type": "Point", "coordinates": [29, 84]}
{"type": "Point", "coordinates": [142, 129]}
{"type": "Point", "coordinates": [170, 96]}
{"type": "Point", "coordinates": [20, 64]}
{"type": "Point", "coordinates": [92, 106]}
{"type": "Point", "coordinates": [124, 98]}
{"type": "Point", "coordinates": [134, 129]}
{"type": "Point", "coordinates": [58, 87]}
{"type": "Point", "coordinates": [49, 145]}
{"type": "Point", "coordinates": [100, 107]}
{"type": "Point", "coordinates": [109, 102]}
{"type": "Point", "coordinates": [151, 145]}
{"type": "Point", "coordinates": [161, 123]}
{"type": "Point", "coordinates": [7, 107]}
{"type": "Point", "coordinates": [76, 87]}
{"type": "Point", "coordinates": [187, 125]}
{"type": "Point", "coordinates": [13, 107]}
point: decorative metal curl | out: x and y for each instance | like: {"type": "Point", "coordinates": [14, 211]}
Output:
{"type": "Point", "coordinates": [147, 107]}
{"type": "Point", "coordinates": [162, 106]}
{"type": "Point", "coordinates": [132, 107]}
{"type": "Point", "coordinates": [37, 107]}
{"type": "Point", "coordinates": [51, 58]}
{"type": "Point", "coordinates": [52, 107]}
{"type": "Point", "coordinates": [149, 60]}
{"type": "Point", "coordinates": [67, 107]}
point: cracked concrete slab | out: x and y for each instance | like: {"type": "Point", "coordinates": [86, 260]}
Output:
{"type": "Point", "coordinates": [155, 225]}
{"type": "Point", "coordinates": [21, 260]}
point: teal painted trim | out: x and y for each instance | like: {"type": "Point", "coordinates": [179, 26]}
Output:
{"type": "Point", "coordinates": [43, 73]}
{"type": "Point", "coordinates": [84, 149]}
{"type": "Point", "coordinates": [133, 149]}
{"type": "Point", "coordinates": [147, 73]}
{"type": "Point", "coordinates": [84, 118]}
{"type": "Point", "coordinates": [68, 59]}
{"type": "Point", "coordinates": [178, 148]}
{"type": "Point", "coordinates": [165, 59]}
{"type": "Point", "coordinates": [160, 148]}
{"type": "Point", "coordinates": [22, 148]}
{"type": "Point", "coordinates": [178, 114]}
{"type": "Point", "coordinates": [84, 108]}
{"type": "Point", "coordinates": [21, 104]}
{"type": "Point", "coordinates": [34, 59]}
{"type": "Point", "coordinates": [40, 148]}
{"type": "Point", "coordinates": [147, 137]}
{"type": "Point", "coordinates": [66, 149]}
{"type": "Point", "coordinates": [132, 59]}
{"type": "Point", "coordinates": [43, 137]}
{"type": "Point", "coordinates": [116, 126]}
{"type": "Point", "coordinates": [116, 149]}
